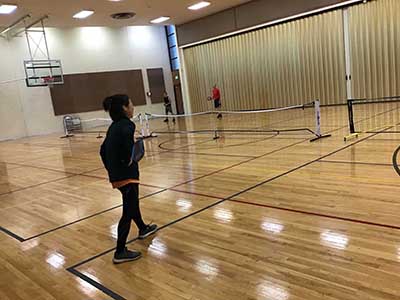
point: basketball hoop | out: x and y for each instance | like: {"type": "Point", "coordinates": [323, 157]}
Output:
{"type": "Point", "coordinates": [49, 81]}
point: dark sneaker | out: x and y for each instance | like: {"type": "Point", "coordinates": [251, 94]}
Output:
{"type": "Point", "coordinates": [173, 120]}
{"type": "Point", "coordinates": [149, 230]}
{"type": "Point", "coordinates": [166, 120]}
{"type": "Point", "coordinates": [126, 256]}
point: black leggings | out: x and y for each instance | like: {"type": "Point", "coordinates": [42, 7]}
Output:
{"type": "Point", "coordinates": [168, 109]}
{"type": "Point", "coordinates": [130, 211]}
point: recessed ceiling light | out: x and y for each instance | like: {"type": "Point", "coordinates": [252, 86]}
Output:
{"type": "Point", "coordinates": [199, 5]}
{"type": "Point", "coordinates": [83, 14]}
{"type": "Point", "coordinates": [160, 20]}
{"type": "Point", "coordinates": [7, 9]}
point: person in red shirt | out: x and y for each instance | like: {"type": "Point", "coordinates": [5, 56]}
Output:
{"type": "Point", "coordinates": [216, 96]}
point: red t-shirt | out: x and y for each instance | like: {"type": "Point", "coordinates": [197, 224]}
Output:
{"type": "Point", "coordinates": [216, 94]}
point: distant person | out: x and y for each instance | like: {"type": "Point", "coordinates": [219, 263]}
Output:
{"type": "Point", "coordinates": [216, 96]}
{"type": "Point", "coordinates": [123, 171]}
{"type": "Point", "coordinates": [168, 107]}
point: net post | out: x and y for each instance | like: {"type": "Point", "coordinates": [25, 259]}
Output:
{"type": "Point", "coordinates": [216, 136]}
{"type": "Point", "coordinates": [141, 125]}
{"type": "Point", "coordinates": [352, 130]}
{"type": "Point", "coordinates": [317, 108]}
{"type": "Point", "coordinates": [66, 131]}
{"type": "Point", "coordinates": [146, 128]}
{"type": "Point", "coordinates": [318, 134]}
{"type": "Point", "coordinates": [351, 115]}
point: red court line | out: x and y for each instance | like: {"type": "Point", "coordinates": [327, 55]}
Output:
{"type": "Point", "coordinates": [315, 214]}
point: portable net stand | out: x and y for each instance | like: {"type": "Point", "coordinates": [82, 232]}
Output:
{"type": "Point", "coordinates": [145, 127]}
{"type": "Point", "coordinates": [372, 115]}
{"type": "Point", "coordinates": [253, 122]}
{"type": "Point", "coordinates": [97, 126]}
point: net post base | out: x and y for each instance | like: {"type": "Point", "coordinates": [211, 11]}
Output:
{"type": "Point", "coordinates": [320, 137]}
{"type": "Point", "coordinates": [152, 135]}
{"type": "Point", "coordinates": [66, 136]}
{"type": "Point", "coordinates": [351, 136]}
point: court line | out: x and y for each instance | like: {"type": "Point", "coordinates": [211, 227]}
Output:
{"type": "Point", "coordinates": [43, 168]}
{"type": "Point", "coordinates": [170, 188]}
{"type": "Point", "coordinates": [74, 267]}
{"type": "Point", "coordinates": [234, 165]}
{"type": "Point", "coordinates": [173, 188]}
{"type": "Point", "coordinates": [21, 239]}
{"type": "Point", "coordinates": [97, 285]}
{"type": "Point", "coordinates": [355, 162]}
{"type": "Point", "coordinates": [394, 160]}
{"type": "Point", "coordinates": [70, 174]}
{"type": "Point", "coordinates": [38, 184]}
{"type": "Point", "coordinates": [240, 163]}
{"type": "Point", "coordinates": [213, 154]}
{"type": "Point", "coordinates": [88, 217]}
{"type": "Point", "coordinates": [83, 174]}
{"type": "Point", "coordinates": [215, 147]}
{"type": "Point", "coordinates": [315, 214]}
{"type": "Point", "coordinates": [11, 234]}
{"type": "Point", "coordinates": [110, 209]}
{"type": "Point", "coordinates": [181, 147]}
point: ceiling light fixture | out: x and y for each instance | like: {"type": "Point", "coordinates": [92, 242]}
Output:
{"type": "Point", "coordinates": [160, 20]}
{"type": "Point", "coordinates": [83, 14]}
{"type": "Point", "coordinates": [6, 9]}
{"type": "Point", "coordinates": [199, 5]}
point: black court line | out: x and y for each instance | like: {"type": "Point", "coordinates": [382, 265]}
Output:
{"type": "Point", "coordinates": [73, 270]}
{"type": "Point", "coordinates": [36, 185]}
{"type": "Point", "coordinates": [88, 217]}
{"type": "Point", "coordinates": [115, 207]}
{"type": "Point", "coordinates": [161, 145]}
{"type": "Point", "coordinates": [101, 212]}
{"type": "Point", "coordinates": [43, 168]}
{"type": "Point", "coordinates": [394, 160]}
{"type": "Point", "coordinates": [97, 285]}
{"type": "Point", "coordinates": [69, 175]}
{"type": "Point", "coordinates": [354, 162]}
{"type": "Point", "coordinates": [213, 147]}
{"type": "Point", "coordinates": [17, 237]}
{"type": "Point", "coordinates": [214, 172]}
{"type": "Point", "coordinates": [11, 234]}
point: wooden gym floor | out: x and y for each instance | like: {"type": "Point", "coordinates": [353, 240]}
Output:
{"type": "Point", "coordinates": [251, 216]}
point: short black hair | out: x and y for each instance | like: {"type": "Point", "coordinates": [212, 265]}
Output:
{"type": "Point", "coordinates": [114, 106]}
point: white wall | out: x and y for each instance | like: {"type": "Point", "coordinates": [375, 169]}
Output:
{"type": "Point", "coordinates": [29, 111]}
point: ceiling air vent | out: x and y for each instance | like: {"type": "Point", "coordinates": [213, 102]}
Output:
{"type": "Point", "coordinates": [123, 16]}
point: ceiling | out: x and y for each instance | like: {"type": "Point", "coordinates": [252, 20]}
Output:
{"type": "Point", "coordinates": [60, 12]}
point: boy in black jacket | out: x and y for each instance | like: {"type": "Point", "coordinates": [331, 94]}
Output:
{"type": "Point", "coordinates": [123, 171]}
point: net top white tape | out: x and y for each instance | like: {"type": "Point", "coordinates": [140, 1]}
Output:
{"type": "Point", "coordinates": [137, 117]}
{"type": "Point", "coordinates": [231, 112]}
